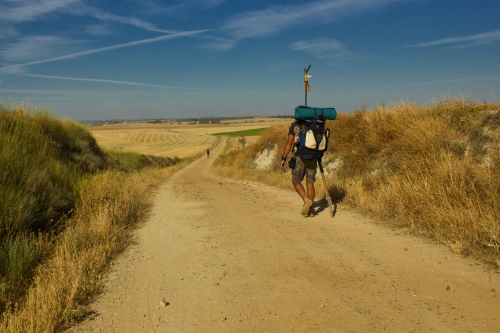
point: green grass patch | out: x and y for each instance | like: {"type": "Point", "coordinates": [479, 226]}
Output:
{"type": "Point", "coordinates": [251, 132]}
{"type": "Point", "coordinates": [129, 158]}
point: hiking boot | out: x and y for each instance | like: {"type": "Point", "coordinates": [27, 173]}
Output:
{"type": "Point", "coordinates": [311, 212]}
{"type": "Point", "coordinates": [307, 206]}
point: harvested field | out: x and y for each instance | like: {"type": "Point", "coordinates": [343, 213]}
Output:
{"type": "Point", "coordinates": [171, 140]}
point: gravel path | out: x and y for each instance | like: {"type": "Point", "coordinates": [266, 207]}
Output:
{"type": "Point", "coordinates": [223, 255]}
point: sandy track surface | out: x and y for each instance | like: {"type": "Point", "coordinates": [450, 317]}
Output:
{"type": "Point", "coordinates": [237, 256]}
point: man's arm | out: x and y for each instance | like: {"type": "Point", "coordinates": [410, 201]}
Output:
{"type": "Point", "coordinates": [286, 150]}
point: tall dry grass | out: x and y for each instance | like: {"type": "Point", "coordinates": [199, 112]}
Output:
{"type": "Point", "coordinates": [112, 205]}
{"type": "Point", "coordinates": [434, 170]}
{"type": "Point", "coordinates": [66, 209]}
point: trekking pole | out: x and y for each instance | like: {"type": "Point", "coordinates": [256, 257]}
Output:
{"type": "Point", "coordinates": [327, 195]}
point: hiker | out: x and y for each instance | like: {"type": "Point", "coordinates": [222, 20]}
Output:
{"type": "Point", "coordinates": [208, 153]}
{"type": "Point", "coordinates": [300, 168]}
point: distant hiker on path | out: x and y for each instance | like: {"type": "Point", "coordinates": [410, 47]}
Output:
{"type": "Point", "coordinates": [300, 167]}
{"type": "Point", "coordinates": [208, 153]}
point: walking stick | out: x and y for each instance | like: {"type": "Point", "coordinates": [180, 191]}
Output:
{"type": "Point", "coordinates": [327, 195]}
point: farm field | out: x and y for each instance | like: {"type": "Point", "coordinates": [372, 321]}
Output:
{"type": "Point", "coordinates": [181, 140]}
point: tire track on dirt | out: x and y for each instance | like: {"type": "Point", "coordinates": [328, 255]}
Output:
{"type": "Point", "coordinates": [236, 256]}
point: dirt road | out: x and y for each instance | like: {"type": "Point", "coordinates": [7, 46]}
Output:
{"type": "Point", "coordinates": [237, 256]}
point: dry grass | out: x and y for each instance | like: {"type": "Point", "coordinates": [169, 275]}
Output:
{"type": "Point", "coordinates": [112, 205]}
{"type": "Point", "coordinates": [433, 170]}
{"type": "Point", "coordinates": [66, 209]}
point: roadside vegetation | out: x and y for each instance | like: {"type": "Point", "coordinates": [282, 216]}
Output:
{"type": "Point", "coordinates": [433, 170]}
{"type": "Point", "coordinates": [66, 208]}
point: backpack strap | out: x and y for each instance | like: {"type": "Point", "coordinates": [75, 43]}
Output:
{"type": "Point", "coordinates": [296, 132]}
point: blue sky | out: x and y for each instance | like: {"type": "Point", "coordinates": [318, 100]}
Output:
{"type": "Point", "coordinates": [88, 59]}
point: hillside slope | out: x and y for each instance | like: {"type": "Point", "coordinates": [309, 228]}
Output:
{"type": "Point", "coordinates": [54, 179]}
{"type": "Point", "coordinates": [433, 170]}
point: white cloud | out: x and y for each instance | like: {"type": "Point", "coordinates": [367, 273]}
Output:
{"type": "Point", "coordinates": [464, 41]}
{"type": "Point", "coordinates": [34, 47]}
{"type": "Point", "coordinates": [23, 11]}
{"type": "Point", "coordinates": [7, 31]}
{"type": "Point", "coordinates": [218, 44]}
{"type": "Point", "coordinates": [267, 22]}
{"type": "Point", "coordinates": [278, 18]}
{"type": "Point", "coordinates": [104, 49]}
{"type": "Point", "coordinates": [210, 3]}
{"type": "Point", "coordinates": [102, 29]}
{"type": "Point", "coordinates": [29, 10]}
{"type": "Point", "coordinates": [112, 18]}
{"type": "Point", "coordinates": [153, 7]}
{"type": "Point", "coordinates": [130, 83]}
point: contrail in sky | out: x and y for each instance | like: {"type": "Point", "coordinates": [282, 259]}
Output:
{"type": "Point", "coordinates": [472, 40]}
{"type": "Point", "coordinates": [131, 83]}
{"type": "Point", "coordinates": [110, 48]}
{"type": "Point", "coordinates": [103, 80]}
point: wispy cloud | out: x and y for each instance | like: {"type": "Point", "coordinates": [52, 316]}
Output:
{"type": "Point", "coordinates": [35, 47]}
{"type": "Point", "coordinates": [210, 3]}
{"type": "Point", "coordinates": [128, 83]}
{"type": "Point", "coordinates": [28, 10]}
{"type": "Point", "coordinates": [7, 31]}
{"type": "Point", "coordinates": [278, 18]}
{"type": "Point", "coordinates": [9, 68]}
{"type": "Point", "coordinates": [12, 12]}
{"type": "Point", "coordinates": [270, 21]}
{"type": "Point", "coordinates": [109, 17]}
{"type": "Point", "coordinates": [102, 29]}
{"type": "Point", "coordinates": [464, 41]}
{"type": "Point", "coordinates": [151, 7]}
{"type": "Point", "coordinates": [322, 48]}
{"type": "Point", "coordinates": [13, 84]}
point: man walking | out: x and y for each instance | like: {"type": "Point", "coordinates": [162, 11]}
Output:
{"type": "Point", "coordinates": [208, 153]}
{"type": "Point", "coordinates": [300, 167]}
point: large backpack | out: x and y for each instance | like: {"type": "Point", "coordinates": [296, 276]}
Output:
{"type": "Point", "coordinates": [311, 138]}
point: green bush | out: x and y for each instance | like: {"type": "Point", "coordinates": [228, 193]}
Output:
{"type": "Point", "coordinates": [18, 257]}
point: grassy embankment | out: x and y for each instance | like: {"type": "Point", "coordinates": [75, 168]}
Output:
{"type": "Point", "coordinates": [66, 209]}
{"type": "Point", "coordinates": [433, 170]}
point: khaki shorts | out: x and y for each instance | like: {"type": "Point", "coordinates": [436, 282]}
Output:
{"type": "Point", "coordinates": [304, 167]}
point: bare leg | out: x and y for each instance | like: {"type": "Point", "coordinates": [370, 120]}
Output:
{"type": "Point", "coordinates": [310, 191]}
{"type": "Point", "coordinates": [300, 190]}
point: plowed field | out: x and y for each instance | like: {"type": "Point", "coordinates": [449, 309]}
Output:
{"type": "Point", "coordinates": [171, 140]}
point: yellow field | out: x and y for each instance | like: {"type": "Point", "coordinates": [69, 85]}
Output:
{"type": "Point", "coordinates": [171, 140]}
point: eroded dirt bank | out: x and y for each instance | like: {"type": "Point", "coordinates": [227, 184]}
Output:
{"type": "Point", "coordinates": [237, 256]}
